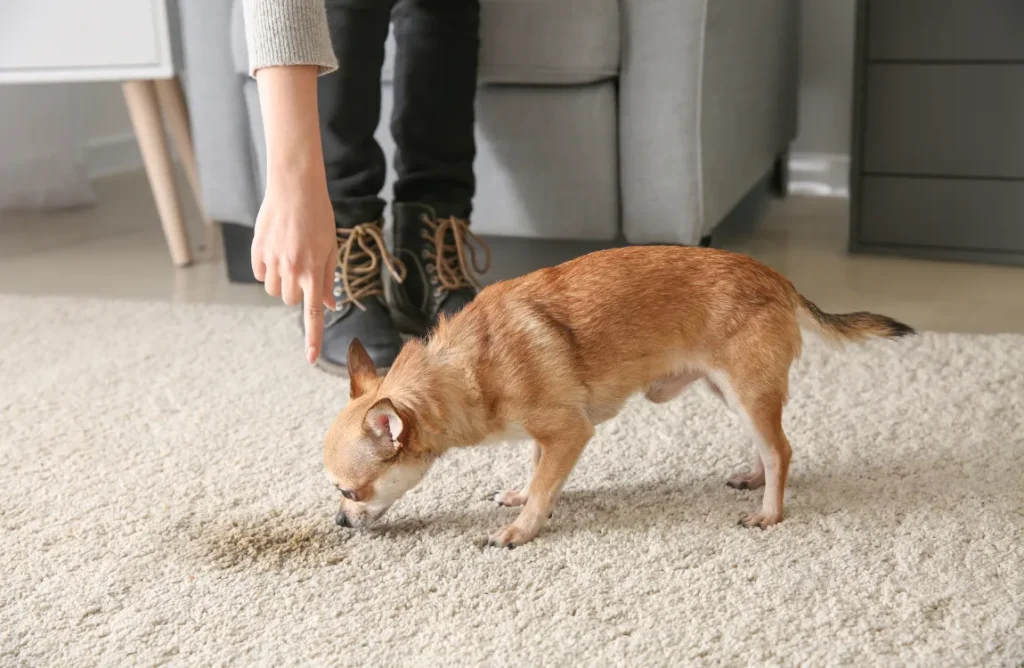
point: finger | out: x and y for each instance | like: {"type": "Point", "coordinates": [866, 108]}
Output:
{"type": "Point", "coordinates": [291, 293]}
{"type": "Point", "coordinates": [272, 282]}
{"type": "Point", "coordinates": [330, 301]}
{"type": "Point", "coordinates": [259, 268]}
{"type": "Point", "coordinates": [313, 311]}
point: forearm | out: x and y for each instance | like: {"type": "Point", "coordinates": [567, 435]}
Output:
{"type": "Point", "coordinates": [294, 248]}
{"type": "Point", "coordinates": [289, 108]}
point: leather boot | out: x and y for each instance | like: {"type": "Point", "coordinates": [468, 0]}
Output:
{"type": "Point", "coordinates": [439, 254]}
{"type": "Point", "coordinates": [361, 310]}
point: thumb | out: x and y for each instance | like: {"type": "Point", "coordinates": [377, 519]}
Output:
{"type": "Point", "coordinates": [328, 287]}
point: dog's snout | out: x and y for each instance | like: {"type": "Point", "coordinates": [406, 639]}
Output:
{"type": "Point", "coordinates": [342, 520]}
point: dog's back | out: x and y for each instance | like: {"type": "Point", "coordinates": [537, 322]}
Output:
{"type": "Point", "coordinates": [599, 328]}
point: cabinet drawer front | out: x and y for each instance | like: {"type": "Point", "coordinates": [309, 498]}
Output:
{"type": "Point", "coordinates": [959, 120]}
{"type": "Point", "coordinates": [70, 34]}
{"type": "Point", "coordinates": [946, 30]}
{"type": "Point", "coordinates": [941, 213]}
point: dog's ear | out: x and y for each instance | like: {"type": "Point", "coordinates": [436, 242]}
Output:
{"type": "Point", "coordinates": [384, 422]}
{"type": "Point", "coordinates": [362, 372]}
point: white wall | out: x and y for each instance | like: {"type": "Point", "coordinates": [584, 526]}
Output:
{"type": "Point", "coordinates": [104, 110]}
{"type": "Point", "coordinates": [108, 131]}
{"type": "Point", "coordinates": [820, 162]}
{"type": "Point", "coordinates": [96, 118]}
{"type": "Point", "coordinates": [43, 159]}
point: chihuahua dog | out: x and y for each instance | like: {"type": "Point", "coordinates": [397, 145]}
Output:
{"type": "Point", "coordinates": [552, 354]}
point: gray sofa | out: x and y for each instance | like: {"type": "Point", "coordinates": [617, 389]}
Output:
{"type": "Point", "coordinates": [645, 121]}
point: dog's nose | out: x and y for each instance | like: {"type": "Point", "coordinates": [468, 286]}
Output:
{"type": "Point", "coordinates": [342, 521]}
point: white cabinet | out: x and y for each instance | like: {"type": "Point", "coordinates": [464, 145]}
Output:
{"type": "Point", "coordinates": [85, 40]}
{"type": "Point", "coordinates": [131, 41]}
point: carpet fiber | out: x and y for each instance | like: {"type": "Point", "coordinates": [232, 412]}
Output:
{"type": "Point", "coordinates": [162, 500]}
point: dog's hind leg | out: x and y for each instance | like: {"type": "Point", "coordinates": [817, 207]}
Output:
{"type": "Point", "coordinates": [759, 405]}
{"type": "Point", "coordinates": [764, 414]}
{"type": "Point", "coordinates": [754, 478]}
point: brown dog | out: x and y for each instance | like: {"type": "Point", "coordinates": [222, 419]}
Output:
{"type": "Point", "coordinates": [558, 351]}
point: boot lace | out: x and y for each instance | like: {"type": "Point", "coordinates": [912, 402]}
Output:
{"type": "Point", "coordinates": [361, 252]}
{"type": "Point", "coordinates": [453, 260]}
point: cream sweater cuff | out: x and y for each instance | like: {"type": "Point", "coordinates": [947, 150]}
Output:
{"type": "Point", "coordinates": [288, 32]}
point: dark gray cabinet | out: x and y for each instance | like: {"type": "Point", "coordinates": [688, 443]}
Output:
{"type": "Point", "coordinates": [937, 164]}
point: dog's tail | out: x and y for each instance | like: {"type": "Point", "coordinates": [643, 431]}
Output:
{"type": "Point", "coordinates": [842, 327]}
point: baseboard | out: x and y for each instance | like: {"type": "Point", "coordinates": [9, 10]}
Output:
{"type": "Point", "coordinates": [112, 154]}
{"type": "Point", "coordinates": [819, 174]}
{"type": "Point", "coordinates": [116, 154]}
{"type": "Point", "coordinates": [51, 180]}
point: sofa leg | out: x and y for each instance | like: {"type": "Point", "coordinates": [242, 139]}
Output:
{"type": "Point", "coordinates": [237, 254]}
{"type": "Point", "coordinates": [705, 241]}
{"type": "Point", "coordinates": [780, 175]}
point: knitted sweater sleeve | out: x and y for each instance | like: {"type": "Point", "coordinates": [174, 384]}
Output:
{"type": "Point", "coordinates": [288, 32]}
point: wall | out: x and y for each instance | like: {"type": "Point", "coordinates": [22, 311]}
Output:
{"type": "Point", "coordinates": [43, 161]}
{"type": "Point", "coordinates": [820, 161]}
{"type": "Point", "coordinates": [108, 130]}
{"type": "Point", "coordinates": [96, 119]}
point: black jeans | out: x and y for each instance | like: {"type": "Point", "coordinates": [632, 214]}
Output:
{"type": "Point", "coordinates": [432, 122]}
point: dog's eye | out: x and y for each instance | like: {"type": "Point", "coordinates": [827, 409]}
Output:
{"type": "Point", "coordinates": [348, 494]}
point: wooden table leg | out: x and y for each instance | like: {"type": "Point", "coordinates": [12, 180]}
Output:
{"type": "Point", "coordinates": [172, 104]}
{"type": "Point", "coordinates": [144, 110]}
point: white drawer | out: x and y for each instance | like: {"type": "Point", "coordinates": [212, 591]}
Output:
{"type": "Point", "coordinates": [71, 39]}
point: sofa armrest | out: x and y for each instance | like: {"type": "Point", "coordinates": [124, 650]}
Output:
{"type": "Point", "coordinates": [220, 123]}
{"type": "Point", "coordinates": [707, 101]}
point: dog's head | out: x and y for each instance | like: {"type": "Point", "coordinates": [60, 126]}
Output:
{"type": "Point", "coordinates": [370, 452]}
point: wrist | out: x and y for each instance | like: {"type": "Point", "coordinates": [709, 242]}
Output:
{"type": "Point", "coordinates": [301, 171]}
{"type": "Point", "coordinates": [295, 155]}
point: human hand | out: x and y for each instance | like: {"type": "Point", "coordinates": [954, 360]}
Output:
{"type": "Point", "coordinates": [294, 247]}
{"type": "Point", "coordinates": [294, 250]}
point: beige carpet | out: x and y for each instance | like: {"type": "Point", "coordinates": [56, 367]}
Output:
{"type": "Point", "coordinates": [162, 500]}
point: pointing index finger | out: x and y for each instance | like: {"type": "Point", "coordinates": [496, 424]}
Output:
{"type": "Point", "coordinates": [313, 315]}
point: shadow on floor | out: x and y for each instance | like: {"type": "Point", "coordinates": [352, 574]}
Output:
{"type": "Point", "coordinates": [912, 488]}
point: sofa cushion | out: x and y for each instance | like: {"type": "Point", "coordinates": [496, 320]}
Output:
{"type": "Point", "coordinates": [546, 160]}
{"type": "Point", "coordinates": [543, 42]}
{"type": "Point", "coordinates": [524, 42]}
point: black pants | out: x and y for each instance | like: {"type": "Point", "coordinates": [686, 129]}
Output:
{"type": "Point", "coordinates": [432, 122]}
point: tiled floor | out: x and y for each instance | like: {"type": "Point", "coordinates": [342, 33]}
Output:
{"type": "Point", "coordinates": [116, 249]}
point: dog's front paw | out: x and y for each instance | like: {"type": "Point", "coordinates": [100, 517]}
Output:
{"type": "Point", "coordinates": [512, 497]}
{"type": "Point", "coordinates": [510, 537]}
{"type": "Point", "coordinates": [750, 480]}
{"type": "Point", "coordinates": [759, 519]}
